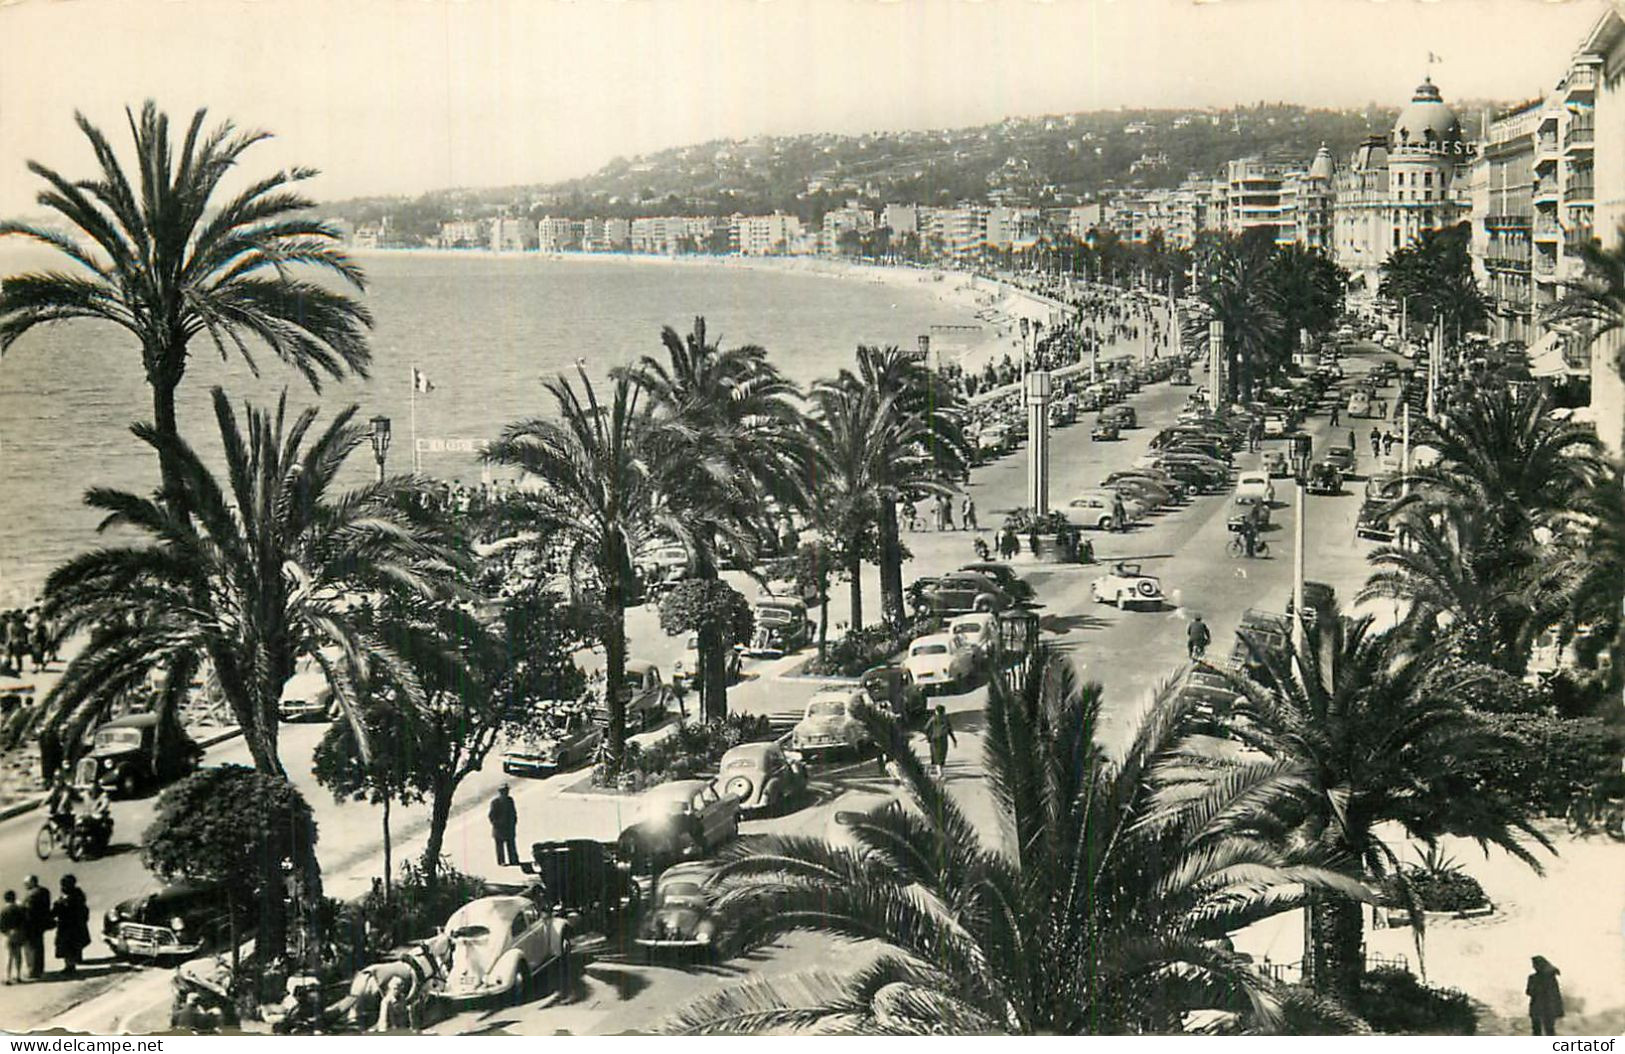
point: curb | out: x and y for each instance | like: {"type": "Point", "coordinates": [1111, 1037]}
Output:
{"type": "Point", "coordinates": [23, 807]}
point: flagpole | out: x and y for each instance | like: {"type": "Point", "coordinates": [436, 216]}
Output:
{"type": "Point", "coordinates": [414, 380]}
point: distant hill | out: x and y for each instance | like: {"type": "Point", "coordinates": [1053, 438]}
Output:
{"type": "Point", "coordinates": [1043, 161]}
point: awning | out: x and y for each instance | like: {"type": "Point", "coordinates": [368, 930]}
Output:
{"type": "Point", "coordinates": [1546, 357]}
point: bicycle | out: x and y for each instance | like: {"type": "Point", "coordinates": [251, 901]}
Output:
{"type": "Point", "coordinates": [1589, 810]}
{"type": "Point", "coordinates": [1238, 548]}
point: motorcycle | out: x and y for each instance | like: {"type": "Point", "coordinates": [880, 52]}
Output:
{"type": "Point", "coordinates": [82, 837]}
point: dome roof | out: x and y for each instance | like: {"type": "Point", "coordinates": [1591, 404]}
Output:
{"type": "Point", "coordinates": [1321, 166]}
{"type": "Point", "coordinates": [1427, 123]}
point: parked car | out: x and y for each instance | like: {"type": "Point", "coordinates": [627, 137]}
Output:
{"type": "Point", "coordinates": [685, 672]}
{"type": "Point", "coordinates": [937, 662]}
{"type": "Point", "coordinates": [307, 695]}
{"type": "Point", "coordinates": [1373, 520]}
{"type": "Point", "coordinates": [179, 921]}
{"type": "Point", "coordinates": [500, 947]}
{"type": "Point", "coordinates": [1255, 486]}
{"type": "Point", "coordinates": [963, 591]}
{"type": "Point", "coordinates": [680, 820]}
{"type": "Point", "coordinates": [830, 724]}
{"type": "Point", "coordinates": [1126, 586]}
{"type": "Point", "coordinates": [661, 567]}
{"type": "Point", "coordinates": [123, 758]}
{"type": "Point", "coordinates": [892, 687]}
{"type": "Point", "coordinates": [586, 886]}
{"type": "Point", "coordinates": [1015, 587]}
{"type": "Point", "coordinates": [853, 809]}
{"type": "Point", "coordinates": [567, 743]}
{"type": "Point", "coordinates": [761, 777]}
{"type": "Point", "coordinates": [782, 626]}
{"type": "Point", "coordinates": [1095, 508]}
{"type": "Point", "coordinates": [1180, 376]}
{"type": "Point", "coordinates": [994, 440]}
{"type": "Point", "coordinates": [1276, 425]}
{"type": "Point", "coordinates": [1104, 432]}
{"type": "Point", "coordinates": [682, 911]}
{"type": "Point", "coordinates": [978, 631]}
{"type": "Point", "coordinates": [1121, 416]}
{"type": "Point", "coordinates": [1176, 489]}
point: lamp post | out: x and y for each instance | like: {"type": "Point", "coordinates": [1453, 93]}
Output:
{"type": "Point", "coordinates": [1302, 447]}
{"type": "Point", "coordinates": [1037, 389]}
{"type": "Point", "coordinates": [380, 443]}
{"type": "Point", "coordinates": [1215, 351]}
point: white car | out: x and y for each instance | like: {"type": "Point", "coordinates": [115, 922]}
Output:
{"type": "Point", "coordinates": [977, 631]}
{"type": "Point", "coordinates": [940, 661]}
{"type": "Point", "coordinates": [307, 695]}
{"type": "Point", "coordinates": [1255, 486]}
{"type": "Point", "coordinates": [499, 945]}
{"type": "Point", "coordinates": [830, 723]}
{"type": "Point", "coordinates": [1093, 508]}
{"type": "Point", "coordinates": [1127, 586]}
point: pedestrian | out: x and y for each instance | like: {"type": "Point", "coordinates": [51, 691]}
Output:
{"type": "Point", "coordinates": [1387, 444]}
{"type": "Point", "coordinates": [939, 732]}
{"type": "Point", "coordinates": [504, 819]}
{"type": "Point", "coordinates": [37, 905]}
{"type": "Point", "coordinates": [1197, 638]}
{"type": "Point", "coordinates": [1545, 998]}
{"type": "Point", "coordinates": [1337, 406]}
{"type": "Point", "coordinates": [967, 514]}
{"type": "Point", "coordinates": [14, 931]}
{"type": "Point", "coordinates": [1008, 545]}
{"type": "Point", "coordinates": [1352, 444]}
{"type": "Point", "coordinates": [947, 505]}
{"type": "Point", "coordinates": [72, 916]}
{"type": "Point", "coordinates": [1119, 513]}
{"type": "Point", "coordinates": [1376, 442]}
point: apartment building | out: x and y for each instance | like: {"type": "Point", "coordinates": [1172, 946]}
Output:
{"type": "Point", "coordinates": [764, 235]}
{"type": "Point", "coordinates": [842, 221]}
{"type": "Point", "coordinates": [557, 234]}
{"type": "Point", "coordinates": [1501, 186]}
{"type": "Point", "coordinates": [901, 219]}
{"type": "Point", "coordinates": [512, 235]}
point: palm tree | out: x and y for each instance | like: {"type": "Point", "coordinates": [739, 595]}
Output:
{"type": "Point", "coordinates": [278, 557]}
{"type": "Point", "coordinates": [1108, 913]}
{"type": "Point", "coordinates": [1236, 289]}
{"type": "Point", "coordinates": [734, 407]}
{"type": "Point", "coordinates": [932, 410]}
{"type": "Point", "coordinates": [605, 470]}
{"type": "Point", "coordinates": [1433, 276]}
{"type": "Point", "coordinates": [1308, 289]}
{"type": "Point", "coordinates": [164, 262]}
{"type": "Point", "coordinates": [1371, 730]}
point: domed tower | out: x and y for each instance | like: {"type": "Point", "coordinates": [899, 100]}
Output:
{"type": "Point", "coordinates": [1321, 166]}
{"type": "Point", "coordinates": [1425, 151]}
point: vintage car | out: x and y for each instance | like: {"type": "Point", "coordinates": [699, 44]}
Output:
{"type": "Point", "coordinates": [123, 758]}
{"type": "Point", "coordinates": [761, 777]}
{"type": "Point", "coordinates": [940, 662]}
{"type": "Point", "coordinates": [892, 687]}
{"type": "Point", "coordinates": [585, 885]}
{"type": "Point", "coordinates": [840, 830]}
{"type": "Point", "coordinates": [1180, 376]}
{"type": "Point", "coordinates": [1341, 458]}
{"type": "Point", "coordinates": [1373, 520]}
{"type": "Point", "coordinates": [179, 921]}
{"type": "Point", "coordinates": [662, 567]}
{"type": "Point", "coordinates": [964, 591]}
{"type": "Point", "coordinates": [1120, 416]}
{"type": "Point", "coordinates": [570, 741]}
{"type": "Point", "coordinates": [1324, 478]}
{"type": "Point", "coordinates": [1276, 465]}
{"type": "Point", "coordinates": [994, 439]}
{"type": "Point", "coordinates": [685, 672]}
{"type": "Point", "coordinates": [1255, 486]}
{"type": "Point", "coordinates": [1089, 400]}
{"type": "Point", "coordinates": [1105, 432]}
{"type": "Point", "coordinates": [1015, 587]}
{"type": "Point", "coordinates": [1127, 586]}
{"type": "Point", "coordinates": [680, 820]}
{"type": "Point", "coordinates": [782, 626]}
{"type": "Point", "coordinates": [307, 695]}
{"type": "Point", "coordinates": [830, 723]}
{"type": "Point", "coordinates": [979, 632]}
{"type": "Point", "coordinates": [681, 913]}
{"type": "Point", "coordinates": [1139, 489]}
{"type": "Point", "coordinates": [1177, 490]}
{"type": "Point", "coordinates": [1095, 508]}
{"type": "Point", "coordinates": [500, 947]}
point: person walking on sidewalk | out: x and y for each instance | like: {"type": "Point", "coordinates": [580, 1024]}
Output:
{"type": "Point", "coordinates": [1336, 409]}
{"type": "Point", "coordinates": [504, 819]}
{"type": "Point", "coordinates": [1545, 998]}
{"type": "Point", "coordinates": [1376, 442]}
{"type": "Point", "coordinates": [37, 906]}
{"type": "Point", "coordinates": [967, 514]}
{"type": "Point", "coordinates": [939, 732]}
{"type": "Point", "coordinates": [72, 915]}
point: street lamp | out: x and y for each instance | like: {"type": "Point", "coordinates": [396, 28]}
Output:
{"type": "Point", "coordinates": [380, 442]}
{"type": "Point", "coordinates": [1302, 448]}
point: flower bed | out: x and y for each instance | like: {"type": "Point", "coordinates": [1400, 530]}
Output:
{"type": "Point", "coordinates": [690, 750]}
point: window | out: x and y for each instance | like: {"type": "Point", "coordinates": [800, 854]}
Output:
{"type": "Point", "coordinates": [1427, 179]}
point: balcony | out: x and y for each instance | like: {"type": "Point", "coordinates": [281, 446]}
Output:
{"type": "Point", "coordinates": [1581, 83]}
{"type": "Point", "coordinates": [1547, 231]}
{"type": "Point", "coordinates": [1517, 264]}
{"type": "Point", "coordinates": [1579, 192]}
{"type": "Point", "coordinates": [1545, 190]}
{"type": "Point", "coordinates": [1507, 222]}
{"type": "Point", "coordinates": [1580, 138]}
{"type": "Point", "coordinates": [1546, 145]}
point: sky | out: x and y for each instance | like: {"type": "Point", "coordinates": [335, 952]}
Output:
{"type": "Point", "coordinates": [402, 96]}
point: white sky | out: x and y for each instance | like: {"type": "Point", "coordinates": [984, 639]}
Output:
{"type": "Point", "coordinates": [400, 96]}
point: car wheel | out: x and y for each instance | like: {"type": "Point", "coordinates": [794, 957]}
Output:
{"type": "Point", "coordinates": [520, 992]}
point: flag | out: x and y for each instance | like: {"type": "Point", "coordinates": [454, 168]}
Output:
{"type": "Point", "coordinates": [421, 382]}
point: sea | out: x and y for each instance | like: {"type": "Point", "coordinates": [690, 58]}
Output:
{"type": "Point", "coordinates": [485, 330]}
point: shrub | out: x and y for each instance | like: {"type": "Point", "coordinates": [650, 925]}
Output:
{"type": "Point", "coordinates": [1022, 520]}
{"type": "Point", "coordinates": [690, 750]}
{"type": "Point", "coordinates": [1547, 757]}
{"type": "Point", "coordinates": [1393, 1001]}
{"type": "Point", "coordinates": [414, 909]}
{"type": "Point", "coordinates": [871, 646]}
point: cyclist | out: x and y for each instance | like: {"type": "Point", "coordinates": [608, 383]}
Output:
{"type": "Point", "coordinates": [1197, 637]}
{"type": "Point", "coordinates": [1249, 536]}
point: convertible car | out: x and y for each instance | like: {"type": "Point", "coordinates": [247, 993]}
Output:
{"type": "Point", "coordinates": [1127, 586]}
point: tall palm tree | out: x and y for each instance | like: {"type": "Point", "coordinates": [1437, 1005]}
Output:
{"type": "Point", "coordinates": [605, 469]}
{"type": "Point", "coordinates": [1107, 914]}
{"type": "Point", "coordinates": [915, 393]}
{"type": "Point", "coordinates": [1433, 276]}
{"type": "Point", "coordinates": [1371, 730]}
{"type": "Point", "coordinates": [735, 407]}
{"type": "Point", "coordinates": [1236, 289]}
{"type": "Point", "coordinates": [167, 263]}
{"type": "Point", "coordinates": [278, 556]}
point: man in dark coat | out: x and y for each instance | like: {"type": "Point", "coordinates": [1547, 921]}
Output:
{"type": "Point", "coordinates": [504, 819]}
{"type": "Point", "coordinates": [1545, 998]}
{"type": "Point", "coordinates": [72, 915]}
{"type": "Point", "coordinates": [37, 902]}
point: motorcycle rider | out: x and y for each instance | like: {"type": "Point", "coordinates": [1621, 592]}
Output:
{"type": "Point", "coordinates": [1197, 637]}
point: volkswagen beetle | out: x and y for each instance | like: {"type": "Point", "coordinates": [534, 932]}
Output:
{"type": "Point", "coordinates": [501, 945]}
{"type": "Point", "coordinates": [761, 777]}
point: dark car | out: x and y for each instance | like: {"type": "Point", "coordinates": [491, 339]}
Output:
{"type": "Point", "coordinates": [682, 912]}
{"type": "Point", "coordinates": [180, 921]}
{"type": "Point", "coordinates": [586, 884]}
{"type": "Point", "coordinates": [963, 591]}
{"type": "Point", "coordinates": [1018, 588]}
{"type": "Point", "coordinates": [1120, 416]}
{"type": "Point", "coordinates": [648, 697]}
{"type": "Point", "coordinates": [782, 626]}
{"type": "Point", "coordinates": [892, 686]}
{"type": "Point", "coordinates": [570, 740]}
{"type": "Point", "coordinates": [1373, 520]}
{"type": "Point", "coordinates": [123, 758]}
{"type": "Point", "coordinates": [680, 820]}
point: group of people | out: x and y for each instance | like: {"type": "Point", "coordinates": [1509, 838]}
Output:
{"type": "Point", "coordinates": [24, 923]}
{"type": "Point", "coordinates": [26, 635]}
{"type": "Point", "coordinates": [942, 513]}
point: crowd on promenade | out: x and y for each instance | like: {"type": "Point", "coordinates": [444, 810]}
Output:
{"type": "Point", "coordinates": [26, 635]}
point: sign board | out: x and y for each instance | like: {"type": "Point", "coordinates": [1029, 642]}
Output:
{"type": "Point", "coordinates": [452, 445]}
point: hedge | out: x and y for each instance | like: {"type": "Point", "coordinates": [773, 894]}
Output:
{"type": "Point", "coordinates": [1549, 756]}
